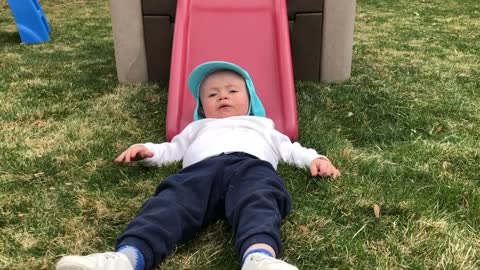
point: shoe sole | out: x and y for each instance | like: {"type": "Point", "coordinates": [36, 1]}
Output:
{"type": "Point", "coordinates": [70, 266]}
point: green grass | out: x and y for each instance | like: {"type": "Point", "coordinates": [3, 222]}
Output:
{"type": "Point", "coordinates": [404, 131]}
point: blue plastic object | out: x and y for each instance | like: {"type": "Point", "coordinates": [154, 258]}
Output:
{"type": "Point", "coordinates": [31, 22]}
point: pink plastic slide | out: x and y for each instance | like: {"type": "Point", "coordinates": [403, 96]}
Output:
{"type": "Point", "coordinates": [250, 33]}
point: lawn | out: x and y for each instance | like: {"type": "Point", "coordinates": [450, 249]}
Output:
{"type": "Point", "coordinates": [404, 131]}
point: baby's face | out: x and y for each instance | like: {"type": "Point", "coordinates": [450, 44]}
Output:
{"type": "Point", "coordinates": [224, 94]}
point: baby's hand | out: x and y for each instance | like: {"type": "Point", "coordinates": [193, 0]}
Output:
{"type": "Point", "coordinates": [324, 168]}
{"type": "Point", "coordinates": [134, 153]}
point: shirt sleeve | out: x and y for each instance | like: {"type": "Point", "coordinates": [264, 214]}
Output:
{"type": "Point", "coordinates": [168, 152]}
{"type": "Point", "coordinates": [293, 153]}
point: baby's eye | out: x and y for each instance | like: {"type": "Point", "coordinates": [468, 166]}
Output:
{"type": "Point", "coordinates": [212, 95]}
{"type": "Point", "coordinates": [233, 91]}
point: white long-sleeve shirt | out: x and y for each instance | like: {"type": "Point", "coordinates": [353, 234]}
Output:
{"type": "Point", "coordinates": [249, 134]}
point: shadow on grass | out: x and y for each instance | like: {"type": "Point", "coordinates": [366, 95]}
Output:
{"type": "Point", "coordinates": [9, 38]}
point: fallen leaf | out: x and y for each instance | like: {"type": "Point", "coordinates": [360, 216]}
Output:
{"type": "Point", "coordinates": [303, 228]}
{"type": "Point", "coordinates": [44, 263]}
{"type": "Point", "coordinates": [445, 165]}
{"type": "Point", "coordinates": [376, 210]}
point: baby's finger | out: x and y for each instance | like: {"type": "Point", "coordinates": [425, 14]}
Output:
{"type": "Point", "coordinates": [127, 156]}
{"type": "Point", "coordinates": [143, 154]}
{"type": "Point", "coordinates": [321, 171]}
{"type": "Point", "coordinates": [313, 170]}
{"type": "Point", "coordinates": [132, 154]}
{"type": "Point", "coordinates": [336, 174]}
{"type": "Point", "coordinates": [140, 154]}
{"type": "Point", "coordinates": [325, 174]}
{"type": "Point", "coordinates": [120, 157]}
{"type": "Point", "coordinates": [147, 154]}
{"type": "Point", "coordinates": [327, 170]}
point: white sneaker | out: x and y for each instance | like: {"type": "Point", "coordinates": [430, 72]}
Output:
{"type": "Point", "coordinates": [97, 261]}
{"type": "Point", "coordinates": [259, 261]}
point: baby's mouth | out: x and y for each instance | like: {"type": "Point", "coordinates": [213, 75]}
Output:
{"type": "Point", "coordinates": [224, 106]}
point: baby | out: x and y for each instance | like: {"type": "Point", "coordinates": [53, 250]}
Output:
{"type": "Point", "coordinates": [230, 153]}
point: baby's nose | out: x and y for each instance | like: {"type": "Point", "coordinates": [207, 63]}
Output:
{"type": "Point", "coordinates": [222, 96]}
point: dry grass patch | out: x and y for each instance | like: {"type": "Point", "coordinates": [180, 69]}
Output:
{"type": "Point", "coordinates": [78, 237]}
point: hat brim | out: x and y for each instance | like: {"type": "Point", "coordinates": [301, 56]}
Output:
{"type": "Point", "coordinates": [198, 74]}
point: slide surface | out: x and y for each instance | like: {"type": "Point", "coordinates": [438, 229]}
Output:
{"type": "Point", "coordinates": [31, 22]}
{"type": "Point", "coordinates": [250, 33]}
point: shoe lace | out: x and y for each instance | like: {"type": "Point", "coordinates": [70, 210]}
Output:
{"type": "Point", "coordinates": [263, 261]}
{"type": "Point", "coordinates": [110, 256]}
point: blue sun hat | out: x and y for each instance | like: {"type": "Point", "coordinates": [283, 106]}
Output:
{"type": "Point", "coordinates": [199, 73]}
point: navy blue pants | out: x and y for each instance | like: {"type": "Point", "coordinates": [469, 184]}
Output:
{"type": "Point", "coordinates": [238, 187]}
